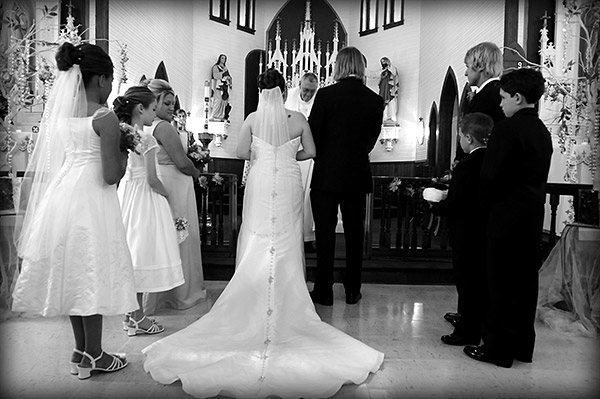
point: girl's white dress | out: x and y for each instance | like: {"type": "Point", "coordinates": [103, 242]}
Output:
{"type": "Point", "coordinates": [263, 336]}
{"type": "Point", "coordinates": [150, 226]}
{"type": "Point", "coordinates": [75, 258]}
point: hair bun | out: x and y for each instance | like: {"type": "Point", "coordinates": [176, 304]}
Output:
{"type": "Point", "coordinates": [122, 101]}
{"type": "Point", "coordinates": [68, 55]}
{"type": "Point", "coordinates": [78, 56]}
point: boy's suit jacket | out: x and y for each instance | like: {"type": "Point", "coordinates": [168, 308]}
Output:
{"type": "Point", "coordinates": [463, 208]}
{"type": "Point", "coordinates": [345, 120]}
{"type": "Point", "coordinates": [514, 175]}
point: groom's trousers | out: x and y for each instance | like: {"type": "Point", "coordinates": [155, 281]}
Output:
{"type": "Point", "coordinates": [325, 209]}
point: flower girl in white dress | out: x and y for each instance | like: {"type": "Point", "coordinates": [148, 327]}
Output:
{"type": "Point", "coordinates": [149, 224]}
{"type": "Point", "coordinates": [75, 257]}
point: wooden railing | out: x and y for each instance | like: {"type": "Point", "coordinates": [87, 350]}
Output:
{"type": "Point", "coordinates": [216, 200]}
{"type": "Point", "coordinates": [398, 222]}
{"type": "Point", "coordinates": [585, 205]}
{"type": "Point", "coordinates": [400, 219]}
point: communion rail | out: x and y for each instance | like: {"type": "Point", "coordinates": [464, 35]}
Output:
{"type": "Point", "coordinates": [398, 220]}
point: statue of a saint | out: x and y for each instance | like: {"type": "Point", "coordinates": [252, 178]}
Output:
{"type": "Point", "coordinates": [388, 90]}
{"type": "Point", "coordinates": [221, 85]}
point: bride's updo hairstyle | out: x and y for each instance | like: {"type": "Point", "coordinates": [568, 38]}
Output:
{"type": "Point", "coordinates": [123, 105]}
{"type": "Point", "coordinates": [92, 60]}
{"type": "Point", "coordinates": [271, 78]}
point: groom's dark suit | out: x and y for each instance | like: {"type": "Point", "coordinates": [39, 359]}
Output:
{"type": "Point", "coordinates": [345, 121]}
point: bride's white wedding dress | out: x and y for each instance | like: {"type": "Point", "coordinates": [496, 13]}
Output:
{"type": "Point", "coordinates": [263, 337]}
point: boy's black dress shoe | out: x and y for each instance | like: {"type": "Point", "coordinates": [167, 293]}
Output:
{"type": "Point", "coordinates": [483, 355]}
{"type": "Point", "coordinates": [453, 339]}
{"type": "Point", "coordinates": [325, 300]}
{"type": "Point", "coordinates": [353, 298]}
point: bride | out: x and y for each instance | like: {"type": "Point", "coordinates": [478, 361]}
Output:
{"type": "Point", "coordinates": [263, 337]}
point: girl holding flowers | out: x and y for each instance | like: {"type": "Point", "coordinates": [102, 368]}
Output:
{"type": "Point", "coordinates": [149, 224]}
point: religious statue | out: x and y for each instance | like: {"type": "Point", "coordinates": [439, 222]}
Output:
{"type": "Point", "coordinates": [221, 85]}
{"type": "Point", "coordinates": [388, 90]}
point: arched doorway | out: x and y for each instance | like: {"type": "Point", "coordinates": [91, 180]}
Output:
{"type": "Point", "coordinates": [252, 70]}
{"type": "Point", "coordinates": [448, 123]}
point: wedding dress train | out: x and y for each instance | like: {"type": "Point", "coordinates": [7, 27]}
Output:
{"type": "Point", "coordinates": [263, 337]}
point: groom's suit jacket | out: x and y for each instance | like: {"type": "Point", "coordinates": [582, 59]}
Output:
{"type": "Point", "coordinates": [345, 121]}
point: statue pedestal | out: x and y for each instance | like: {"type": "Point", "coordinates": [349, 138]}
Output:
{"type": "Point", "coordinates": [390, 133]}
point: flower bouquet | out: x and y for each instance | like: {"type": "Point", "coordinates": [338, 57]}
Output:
{"type": "Point", "coordinates": [181, 227]}
{"type": "Point", "coordinates": [198, 156]}
{"type": "Point", "coordinates": [130, 138]}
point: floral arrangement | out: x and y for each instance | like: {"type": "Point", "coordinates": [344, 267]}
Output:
{"type": "Point", "coordinates": [217, 179]}
{"type": "Point", "coordinates": [198, 156]}
{"type": "Point", "coordinates": [181, 227]}
{"type": "Point", "coordinates": [395, 184]}
{"type": "Point", "coordinates": [130, 138]}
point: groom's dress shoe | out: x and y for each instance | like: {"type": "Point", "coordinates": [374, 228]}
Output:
{"type": "Point", "coordinates": [353, 298]}
{"type": "Point", "coordinates": [453, 318]}
{"type": "Point", "coordinates": [453, 339]}
{"type": "Point", "coordinates": [325, 300]}
{"type": "Point", "coordinates": [483, 355]}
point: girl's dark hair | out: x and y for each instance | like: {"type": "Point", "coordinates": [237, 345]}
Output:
{"type": "Point", "coordinates": [271, 78]}
{"type": "Point", "coordinates": [92, 60]}
{"type": "Point", "coordinates": [123, 105]}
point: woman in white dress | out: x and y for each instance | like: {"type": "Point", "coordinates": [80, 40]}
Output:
{"type": "Point", "coordinates": [149, 224]}
{"type": "Point", "coordinates": [75, 256]}
{"type": "Point", "coordinates": [263, 336]}
{"type": "Point", "coordinates": [177, 173]}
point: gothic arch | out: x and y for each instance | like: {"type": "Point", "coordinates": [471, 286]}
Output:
{"type": "Point", "coordinates": [432, 139]}
{"type": "Point", "coordinates": [252, 70]}
{"type": "Point", "coordinates": [324, 19]}
{"type": "Point", "coordinates": [448, 123]}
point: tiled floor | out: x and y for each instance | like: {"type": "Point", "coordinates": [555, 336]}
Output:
{"type": "Point", "coordinates": [404, 322]}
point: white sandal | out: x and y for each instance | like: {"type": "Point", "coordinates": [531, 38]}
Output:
{"type": "Point", "coordinates": [117, 364]}
{"type": "Point", "coordinates": [134, 327]}
{"type": "Point", "coordinates": [73, 365]}
{"type": "Point", "coordinates": [126, 321]}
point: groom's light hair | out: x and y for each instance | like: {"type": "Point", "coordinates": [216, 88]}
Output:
{"type": "Point", "coordinates": [349, 62]}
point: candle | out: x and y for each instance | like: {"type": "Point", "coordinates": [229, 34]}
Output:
{"type": "Point", "coordinates": [206, 90]}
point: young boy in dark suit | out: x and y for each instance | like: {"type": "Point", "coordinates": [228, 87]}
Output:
{"type": "Point", "coordinates": [514, 174]}
{"type": "Point", "coordinates": [467, 227]}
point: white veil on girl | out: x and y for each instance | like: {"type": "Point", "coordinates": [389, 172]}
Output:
{"type": "Point", "coordinates": [67, 100]}
{"type": "Point", "coordinates": [270, 120]}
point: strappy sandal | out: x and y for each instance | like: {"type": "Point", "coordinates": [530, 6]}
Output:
{"type": "Point", "coordinates": [126, 321]}
{"type": "Point", "coordinates": [73, 365]}
{"type": "Point", "coordinates": [134, 327]}
{"type": "Point", "coordinates": [117, 364]}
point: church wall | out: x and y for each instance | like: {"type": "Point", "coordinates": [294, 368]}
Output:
{"type": "Point", "coordinates": [189, 44]}
{"type": "Point", "coordinates": [448, 30]}
{"type": "Point", "coordinates": [180, 33]}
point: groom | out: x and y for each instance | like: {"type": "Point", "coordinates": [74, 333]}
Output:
{"type": "Point", "coordinates": [345, 121]}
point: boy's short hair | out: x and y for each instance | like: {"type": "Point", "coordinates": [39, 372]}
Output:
{"type": "Point", "coordinates": [528, 82]}
{"type": "Point", "coordinates": [478, 125]}
{"type": "Point", "coordinates": [486, 55]}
